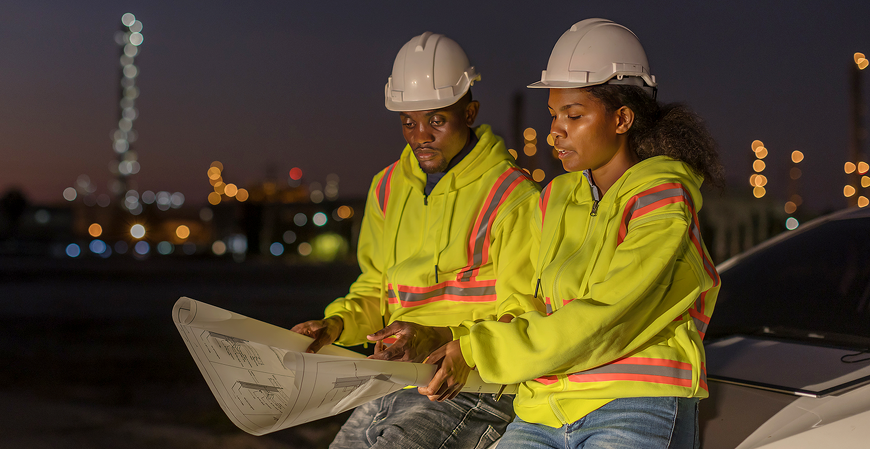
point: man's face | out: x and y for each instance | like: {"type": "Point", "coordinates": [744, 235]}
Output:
{"type": "Point", "coordinates": [438, 135]}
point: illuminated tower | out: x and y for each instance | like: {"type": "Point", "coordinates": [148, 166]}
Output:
{"type": "Point", "coordinates": [129, 38]}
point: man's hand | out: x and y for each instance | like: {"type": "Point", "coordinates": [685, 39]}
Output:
{"type": "Point", "coordinates": [414, 342]}
{"type": "Point", "coordinates": [324, 332]}
{"type": "Point", "coordinates": [451, 375]}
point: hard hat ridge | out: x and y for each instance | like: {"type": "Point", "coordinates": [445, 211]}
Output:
{"type": "Point", "coordinates": [431, 71]}
{"type": "Point", "coordinates": [597, 51]}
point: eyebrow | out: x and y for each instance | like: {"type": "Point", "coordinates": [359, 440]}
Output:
{"type": "Point", "coordinates": [402, 114]}
{"type": "Point", "coordinates": [569, 105]}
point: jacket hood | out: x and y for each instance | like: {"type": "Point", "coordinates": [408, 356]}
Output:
{"type": "Point", "coordinates": [490, 150]}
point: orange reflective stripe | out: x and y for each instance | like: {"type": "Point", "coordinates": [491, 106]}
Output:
{"type": "Point", "coordinates": [383, 190]}
{"type": "Point", "coordinates": [547, 380]}
{"type": "Point", "coordinates": [478, 242]}
{"type": "Point", "coordinates": [639, 369]}
{"type": "Point", "coordinates": [545, 198]}
{"type": "Point", "coordinates": [456, 291]}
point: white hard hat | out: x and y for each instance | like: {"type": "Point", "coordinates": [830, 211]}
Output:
{"type": "Point", "coordinates": [430, 72]}
{"type": "Point", "coordinates": [597, 51]}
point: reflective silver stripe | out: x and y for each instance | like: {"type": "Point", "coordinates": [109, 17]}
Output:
{"type": "Point", "coordinates": [701, 325]}
{"type": "Point", "coordinates": [650, 370]}
{"type": "Point", "coordinates": [480, 238]}
{"type": "Point", "coordinates": [451, 290]}
{"type": "Point", "coordinates": [549, 308]}
{"type": "Point", "coordinates": [648, 199]}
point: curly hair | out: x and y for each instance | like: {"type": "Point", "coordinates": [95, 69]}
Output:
{"type": "Point", "coordinates": [671, 130]}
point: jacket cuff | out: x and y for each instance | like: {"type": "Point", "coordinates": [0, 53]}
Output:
{"type": "Point", "coordinates": [458, 331]}
{"type": "Point", "coordinates": [465, 345]}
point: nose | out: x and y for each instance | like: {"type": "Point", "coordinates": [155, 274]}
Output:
{"type": "Point", "coordinates": [422, 134]}
{"type": "Point", "coordinates": [557, 131]}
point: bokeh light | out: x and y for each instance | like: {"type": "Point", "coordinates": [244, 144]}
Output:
{"type": "Point", "coordinates": [758, 165]}
{"type": "Point", "coordinates": [69, 194]}
{"type": "Point", "coordinates": [512, 151]}
{"type": "Point", "coordinates": [137, 231]}
{"type": "Point", "coordinates": [300, 219]}
{"type": "Point", "coordinates": [319, 219]}
{"type": "Point", "coordinates": [849, 168]}
{"type": "Point", "coordinates": [276, 249]}
{"type": "Point", "coordinates": [165, 248]}
{"type": "Point", "coordinates": [863, 167]}
{"type": "Point", "coordinates": [848, 191]}
{"type": "Point", "coordinates": [865, 181]}
{"type": "Point", "coordinates": [761, 152]}
{"type": "Point", "coordinates": [218, 248]}
{"type": "Point", "coordinates": [182, 232]}
{"type": "Point", "coordinates": [797, 156]}
{"type": "Point", "coordinates": [242, 195]}
{"type": "Point", "coordinates": [756, 144]}
{"type": "Point", "coordinates": [97, 246]}
{"type": "Point", "coordinates": [538, 175]}
{"type": "Point", "coordinates": [231, 190]}
{"type": "Point", "coordinates": [289, 237]}
{"type": "Point", "coordinates": [73, 250]}
{"type": "Point", "coordinates": [863, 201]}
{"type": "Point", "coordinates": [304, 248]}
{"type": "Point", "coordinates": [345, 212]}
{"type": "Point", "coordinates": [295, 173]}
{"type": "Point", "coordinates": [790, 207]}
{"type": "Point", "coordinates": [214, 198]}
{"type": "Point", "coordinates": [758, 192]}
{"type": "Point", "coordinates": [95, 230]}
{"type": "Point", "coordinates": [530, 149]}
{"type": "Point", "coordinates": [142, 248]}
{"type": "Point", "coordinates": [791, 223]}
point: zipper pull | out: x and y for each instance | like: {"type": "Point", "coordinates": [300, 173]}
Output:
{"type": "Point", "coordinates": [425, 200]}
{"type": "Point", "coordinates": [436, 274]}
{"type": "Point", "coordinates": [537, 287]}
{"type": "Point", "coordinates": [594, 209]}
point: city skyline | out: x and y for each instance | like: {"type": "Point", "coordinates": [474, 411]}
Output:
{"type": "Point", "coordinates": [269, 87]}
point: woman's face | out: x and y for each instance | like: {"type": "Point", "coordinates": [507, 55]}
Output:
{"type": "Point", "coordinates": [585, 135]}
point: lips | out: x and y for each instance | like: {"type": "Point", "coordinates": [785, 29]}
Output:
{"type": "Point", "coordinates": [425, 154]}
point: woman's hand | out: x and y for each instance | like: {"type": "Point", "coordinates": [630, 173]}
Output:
{"type": "Point", "coordinates": [451, 375]}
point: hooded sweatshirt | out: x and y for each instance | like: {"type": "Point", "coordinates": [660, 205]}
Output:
{"type": "Point", "coordinates": [459, 253]}
{"type": "Point", "coordinates": [628, 288]}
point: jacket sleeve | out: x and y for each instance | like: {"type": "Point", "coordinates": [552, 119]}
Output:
{"type": "Point", "coordinates": [360, 309]}
{"type": "Point", "coordinates": [653, 278]}
{"type": "Point", "coordinates": [514, 238]}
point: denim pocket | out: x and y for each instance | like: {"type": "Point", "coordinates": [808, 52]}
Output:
{"type": "Point", "coordinates": [488, 438]}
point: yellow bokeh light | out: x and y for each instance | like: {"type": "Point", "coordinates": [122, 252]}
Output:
{"type": "Point", "coordinates": [538, 175]}
{"type": "Point", "coordinates": [513, 152]}
{"type": "Point", "coordinates": [527, 171]}
{"type": "Point", "coordinates": [797, 156]}
{"type": "Point", "coordinates": [217, 165]}
{"type": "Point", "coordinates": [550, 141]}
{"type": "Point", "coordinates": [242, 195]}
{"type": "Point", "coordinates": [529, 149]}
{"type": "Point", "coordinates": [863, 167]}
{"type": "Point", "coordinates": [214, 173]}
{"type": "Point", "coordinates": [795, 173]}
{"type": "Point", "coordinates": [756, 144]}
{"type": "Point", "coordinates": [849, 168]}
{"type": "Point", "coordinates": [215, 182]}
{"type": "Point", "coordinates": [231, 190]}
{"type": "Point", "coordinates": [865, 181]}
{"type": "Point", "coordinates": [760, 181]}
{"type": "Point", "coordinates": [848, 191]}
{"type": "Point", "coordinates": [220, 188]}
{"type": "Point", "coordinates": [345, 212]}
{"type": "Point", "coordinates": [182, 232]}
{"type": "Point", "coordinates": [863, 201]}
{"type": "Point", "coordinates": [95, 230]}
{"type": "Point", "coordinates": [859, 56]}
{"type": "Point", "coordinates": [758, 192]}
{"type": "Point", "coordinates": [752, 179]}
{"type": "Point", "coordinates": [214, 198]}
{"type": "Point", "coordinates": [758, 165]}
{"type": "Point", "coordinates": [790, 207]}
{"type": "Point", "coordinates": [761, 153]}
{"type": "Point", "coordinates": [529, 134]}
{"type": "Point", "coordinates": [862, 64]}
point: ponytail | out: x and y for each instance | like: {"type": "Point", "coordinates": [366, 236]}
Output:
{"type": "Point", "coordinates": [671, 130]}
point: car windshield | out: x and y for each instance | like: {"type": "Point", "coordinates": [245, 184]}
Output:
{"type": "Point", "coordinates": [817, 281]}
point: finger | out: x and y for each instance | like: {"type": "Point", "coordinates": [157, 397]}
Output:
{"type": "Point", "coordinates": [318, 343]}
{"type": "Point", "coordinates": [384, 333]}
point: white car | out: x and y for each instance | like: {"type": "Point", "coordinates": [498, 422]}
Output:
{"type": "Point", "coordinates": [788, 364]}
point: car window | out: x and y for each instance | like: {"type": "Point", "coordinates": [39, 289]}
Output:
{"type": "Point", "coordinates": [818, 280]}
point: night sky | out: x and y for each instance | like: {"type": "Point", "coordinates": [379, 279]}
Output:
{"type": "Point", "coordinates": [266, 86]}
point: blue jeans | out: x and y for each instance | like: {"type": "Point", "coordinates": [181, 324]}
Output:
{"type": "Point", "coordinates": [627, 423]}
{"type": "Point", "coordinates": [408, 420]}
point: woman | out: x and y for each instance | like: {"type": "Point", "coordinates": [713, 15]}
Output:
{"type": "Point", "coordinates": [628, 286]}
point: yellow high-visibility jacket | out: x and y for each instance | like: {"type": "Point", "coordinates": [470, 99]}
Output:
{"type": "Point", "coordinates": [459, 254]}
{"type": "Point", "coordinates": [628, 290]}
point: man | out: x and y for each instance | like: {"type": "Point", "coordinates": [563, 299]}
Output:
{"type": "Point", "coordinates": [445, 238]}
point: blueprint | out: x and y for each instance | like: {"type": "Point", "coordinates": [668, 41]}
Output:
{"type": "Point", "coordinates": [264, 381]}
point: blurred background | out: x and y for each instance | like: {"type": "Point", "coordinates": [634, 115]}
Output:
{"type": "Point", "coordinates": [223, 151]}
